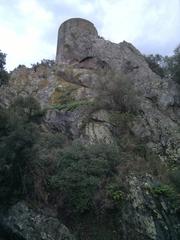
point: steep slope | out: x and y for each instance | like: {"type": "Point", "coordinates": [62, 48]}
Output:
{"type": "Point", "coordinates": [102, 92]}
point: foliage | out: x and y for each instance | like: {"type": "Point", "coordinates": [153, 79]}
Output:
{"type": "Point", "coordinates": [66, 94]}
{"type": "Point", "coordinates": [79, 173]}
{"type": "Point", "coordinates": [175, 178]}
{"type": "Point", "coordinates": [71, 105]}
{"type": "Point", "coordinates": [173, 65]}
{"type": "Point", "coordinates": [167, 191]}
{"type": "Point", "coordinates": [3, 73]}
{"type": "Point", "coordinates": [115, 91]}
{"type": "Point", "coordinates": [48, 62]}
{"type": "Point", "coordinates": [155, 63]}
{"type": "Point", "coordinates": [25, 109]}
{"type": "Point", "coordinates": [121, 120]}
{"type": "Point", "coordinates": [44, 62]}
{"type": "Point", "coordinates": [139, 159]}
{"type": "Point", "coordinates": [163, 190]}
{"type": "Point", "coordinates": [115, 192]}
{"type": "Point", "coordinates": [2, 60]}
{"type": "Point", "coordinates": [118, 117]}
{"type": "Point", "coordinates": [18, 134]}
{"type": "Point", "coordinates": [21, 66]}
{"type": "Point", "coordinates": [46, 148]}
{"type": "Point", "coordinates": [168, 66]}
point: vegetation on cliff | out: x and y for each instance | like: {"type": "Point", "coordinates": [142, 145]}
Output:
{"type": "Point", "coordinates": [166, 66]}
{"type": "Point", "coordinates": [100, 190]}
{"type": "Point", "coordinates": [3, 73]}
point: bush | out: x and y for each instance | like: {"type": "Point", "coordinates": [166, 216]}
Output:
{"type": "Point", "coordinates": [80, 170]}
{"type": "Point", "coordinates": [70, 106]}
{"type": "Point", "coordinates": [44, 62]}
{"type": "Point", "coordinates": [114, 192]}
{"type": "Point", "coordinates": [25, 109]}
{"type": "Point", "coordinates": [175, 178]}
{"type": "Point", "coordinates": [18, 134]}
{"type": "Point", "coordinates": [116, 92]}
{"type": "Point", "coordinates": [43, 164]}
{"type": "Point", "coordinates": [163, 190]}
{"type": "Point", "coordinates": [155, 62]}
{"type": "Point", "coordinates": [121, 121]}
{"type": "Point", "coordinates": [4, 76]}
{"type": "Point", "coordinates": [174, 65]}
{"type": "Point", "coordinates": [168, 66]}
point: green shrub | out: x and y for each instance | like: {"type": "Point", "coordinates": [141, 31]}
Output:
{"type": "Point", "coordinates": [155, 62]}
{"type": "Point", "coordinates": [44, 62]}
{"type": "Point", "coordinates": [163, 190]}
{"type": "Point", "coordinates": [121, 118]}
{"type": "Point", "coordinates": [175, 178]}
{"type": "Point", "coordinates": [25, 109]}
{"type": "Point", "coordinates": [46, 149]}
{"type": "Point", "coordinates": [166, 66]}
{"type": "Point", "coordinates": [79, 173]}
{"type": "Point", "coordinates": [121, 122]}
{"type": "Point", "coordinates": [66, 95]}
{"type": "Point", "coordinates": [72, 105]}
{"type": "Point", "coordinates": [18, 134]}
{"type": "Point", "coordinates": [169, 192]}
{"type": "Point", "coordinates": [4, 76]}
{"type": "Point", "coordinates": [116, 92]}
{"type": "Point", "coordinates": [115, 192]}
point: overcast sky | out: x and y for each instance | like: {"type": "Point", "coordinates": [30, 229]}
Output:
{"type": "Point", "coordinates": [28, 28]}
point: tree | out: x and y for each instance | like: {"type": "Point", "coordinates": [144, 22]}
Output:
{"type": "Point", "coordinates": [173, 65]}
{"type": "Point", "coordinates": [18, 134]}
{"type": "Point", "coordinates": [167, 66]}
{"type": "Point", "coordinates": [115, 91]}
{"type": "Point", "coordinates": [3, 72]}
{"type": "Point", "coordinates": [155, 62]}
{"type": "Point", "coordinates": [79, 172]}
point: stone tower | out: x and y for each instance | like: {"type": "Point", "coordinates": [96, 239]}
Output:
{"type": "Point", "coordinates": [75, 39]}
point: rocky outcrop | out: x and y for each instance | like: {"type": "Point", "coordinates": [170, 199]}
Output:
{"type": "Point", "coordinates": [69, 91]}
{"type": "Point", "coordinates": [122, 57]}
{"type": "Point", "coordinates": [39, 81]}
{"type": "Point", "coordinates": [23, 223]}
{"type": "Point", "coordinates": [158, 123]}
{"type": "Point", "coordinates": [146, 215]}
{"type": "Point", "coordinates": [83, 60]}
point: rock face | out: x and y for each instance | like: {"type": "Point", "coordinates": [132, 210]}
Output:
{"type": "Point", "coordinates": [159, 98]}
{"type": "Point", "coordinates": [81, 55]}
{"type": "Point", "coordinates": [147, 216]}
{"type": "Point", "coordinates": [23, 223]}
{"type": "Point", "coordinates": [78, 42]}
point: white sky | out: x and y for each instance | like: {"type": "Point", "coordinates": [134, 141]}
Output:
{"type": "Point", "coordinates": [28, 28]}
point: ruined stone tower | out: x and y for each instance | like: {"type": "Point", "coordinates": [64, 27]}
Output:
{"type": "Point", "coordinates": [75, 39]}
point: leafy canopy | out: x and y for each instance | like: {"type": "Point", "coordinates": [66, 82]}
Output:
{"type": "Point", "coordinates": [3, 72]}
{"type": "Point", "coordinates": [168, 66]}
{"type": "Point", "coordinates": [80, 170]}
{"type": "Point", "coordinates": [18, 134]}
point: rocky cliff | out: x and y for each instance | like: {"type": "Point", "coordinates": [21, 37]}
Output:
{"type": "Point", "coordinates": [102, 92]}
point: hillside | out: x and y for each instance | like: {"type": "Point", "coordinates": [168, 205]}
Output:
{"type": "Point", "coordinates": [89, 145]}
